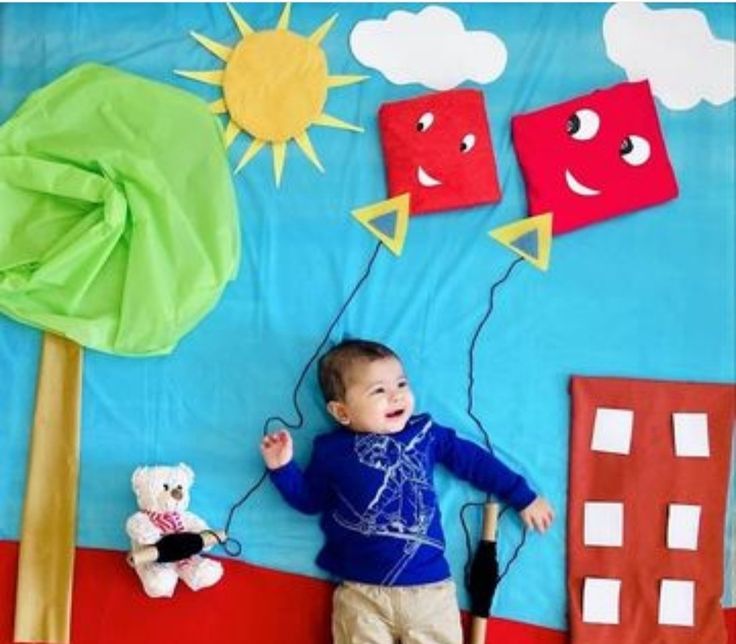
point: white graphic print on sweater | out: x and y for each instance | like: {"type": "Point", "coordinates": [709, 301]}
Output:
{"type": "Point", "coordinates": [404, 505]}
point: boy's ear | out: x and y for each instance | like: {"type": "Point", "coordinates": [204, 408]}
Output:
{"type": "Point", "coordinates": [338, 411]}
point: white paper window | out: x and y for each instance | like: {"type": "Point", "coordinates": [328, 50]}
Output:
{"type": "Point", "coordinates": [601, 599]}
{"type": "Point", "coordinates": [683, 525]}
{"type": "Point", "coordinates": [676, 602]}
{"type": "Point", "coordinates": [691, 434]}
{"type": "Point", "coordinates": [603, 524]}
{"type": "Point", "coordinates": [612, 430]}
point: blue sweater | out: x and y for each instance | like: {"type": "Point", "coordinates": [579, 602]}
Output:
{"type": "Point", "coordinates": [377, 500]}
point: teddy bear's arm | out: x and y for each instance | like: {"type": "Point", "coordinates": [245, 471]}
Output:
{"type": "Point", "coordinates": [141, 530]}
{"type": "Point", "coordinates": [193, 523]}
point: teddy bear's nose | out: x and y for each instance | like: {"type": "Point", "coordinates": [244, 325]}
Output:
{"type": "Point", "coordinates": [177, 493]}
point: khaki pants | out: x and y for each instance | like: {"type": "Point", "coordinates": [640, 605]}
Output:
{"type": "Point", "coordinates": [367, 614]}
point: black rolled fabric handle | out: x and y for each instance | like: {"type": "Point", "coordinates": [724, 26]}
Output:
{"type": "Point", "coordinates": [483, 578]}
{"type": "Point", "coordinates": [178, 546]}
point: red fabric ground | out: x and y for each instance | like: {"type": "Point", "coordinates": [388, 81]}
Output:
{"type": "Point", "coordinates": [251, 605]}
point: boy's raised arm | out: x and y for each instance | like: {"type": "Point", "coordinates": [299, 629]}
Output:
{"type": "Point", "coordinates": [304, 491]}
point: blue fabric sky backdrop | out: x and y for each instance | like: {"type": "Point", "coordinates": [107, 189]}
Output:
{"type": "Point", "coordinates": [649, 295]}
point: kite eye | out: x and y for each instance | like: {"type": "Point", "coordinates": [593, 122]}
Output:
{"type": "Point", "coordinates": [635, 150]}
{"type": "Point", "coordinates": [468, 143]}
{"type": "Point", "coordinates": [166, 487]}
{"type": "Point", "coordinates": [583, 125]}
{"type": "Point", "coordinates": [425, 121]}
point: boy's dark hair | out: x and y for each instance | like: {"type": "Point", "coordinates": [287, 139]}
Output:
{"type": "Point", "coordinates": [334, 365]}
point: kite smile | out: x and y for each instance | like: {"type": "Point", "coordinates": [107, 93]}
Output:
{"type": "Point", "coordinates": [427, 180]}
{"type": "Point", "coordinates": [579, 188]}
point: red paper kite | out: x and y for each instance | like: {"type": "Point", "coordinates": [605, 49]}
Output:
{"type": "Point", "coordinates": [594, 157]}
{"type": "Point", "coordinates": [437, 148]}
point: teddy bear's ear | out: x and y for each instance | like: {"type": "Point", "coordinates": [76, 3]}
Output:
{"type": "Point", "coordinates": [138, 477]}
{"type": "Point", "coordinates": [188, 472]}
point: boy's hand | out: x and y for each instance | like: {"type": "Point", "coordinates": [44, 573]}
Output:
{"type": "Point", "coordinates": [277, 449]}
{"type": "Point", "coordinates": [538, 515]}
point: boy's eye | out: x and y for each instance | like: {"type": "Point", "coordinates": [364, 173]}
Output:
{"type": "Point", "coordinates": [378, 390]}
{"type": "Point", "coordinates": [401, 384]}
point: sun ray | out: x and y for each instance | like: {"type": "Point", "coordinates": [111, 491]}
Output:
{"type": "Point", "coordinates": [321, 31]}
{"type": "Point", "coordinates": [218, 106]}
{"type": "Point", "coordinates": [346, 79]}
{"type": "Point", "coordinates": [243, 27]}
{"type": "Point", "coordinates": [303, 141]}
{"type": "Point", "coordinates": [279, 158]}
{"type": "Point", "coordinates": [283, 22]}
{"type": "Point", "coordinates": [223, 52]}
{"type": "Point", "coordinates": [253, 149]}
{"type": "Point", "coordinates": [231, 131]}
{"type": "Point", "coordinates": [213, 77]}
{"type": "Point", "coordinates": [331, 121]}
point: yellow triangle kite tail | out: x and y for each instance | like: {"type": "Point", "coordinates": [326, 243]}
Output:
{"type": "Point", "coordinates": [531, 238]}
{"type": "Point", "coordinates": [367, 216]}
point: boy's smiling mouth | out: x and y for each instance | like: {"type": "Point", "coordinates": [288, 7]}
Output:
{"type": "Point", "coordinates": [395, 414]}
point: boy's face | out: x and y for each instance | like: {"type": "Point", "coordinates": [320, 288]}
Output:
{"type": "Point", "coordinates": [378, 399]}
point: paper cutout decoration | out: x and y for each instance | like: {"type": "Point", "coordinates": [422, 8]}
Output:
{"type": "Point", "coordinates": [48, 530]}
{"type": "Point", "coordinates": [274, 88]}
{"type": "Point", "coordinates": [612, 430]}
{"type": "Point", "coordinates": [531, 238]}
{"type": "Point", "coordinates": [649, 482]}
{"type": "Point", "coordinates": [683, 525]}
{"type": "Point", "coordinates": [437, 147]}
{"type": "Point", "coordinates": [414, 48]}
{"type": "Point", "coordinates": [388, 220]}
{"type": "Point", "coordinates": [677, 602]}
{"type": "Point", "coordinates": [594, 157]}
{"type": "Point", "coordinates": [601, 599]}
{"type": "Point", "coordinates": [119, 232]}
{"type": "Point", "coordinates": [674, 49]}
{"type": "Point", "coordinates": [603, 524]}
{"type": "Point", "coordinates": [134, 229]}
{"type": "Point", "coordinates": [691, 435]}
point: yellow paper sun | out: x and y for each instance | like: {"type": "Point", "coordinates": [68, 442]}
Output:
{"type": "Point", "coordinates": [274, 87]}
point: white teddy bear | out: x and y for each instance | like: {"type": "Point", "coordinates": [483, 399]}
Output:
{"type": "Point", "coordinates": [163, 498]}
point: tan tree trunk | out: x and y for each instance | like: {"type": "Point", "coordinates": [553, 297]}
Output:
{"type": "Point", "coordinates": [46, 563]}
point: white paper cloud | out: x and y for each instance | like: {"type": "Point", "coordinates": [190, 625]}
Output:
{"type": "Point", "coordinates": [673, 48]}
{"type": "Point", "coordinates": [431, 47]}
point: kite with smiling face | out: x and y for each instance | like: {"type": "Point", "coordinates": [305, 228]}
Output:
{"type": "Point", "coordinates": [594, 157]}
{"type": "Point", "coordinates": [438, 149]}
